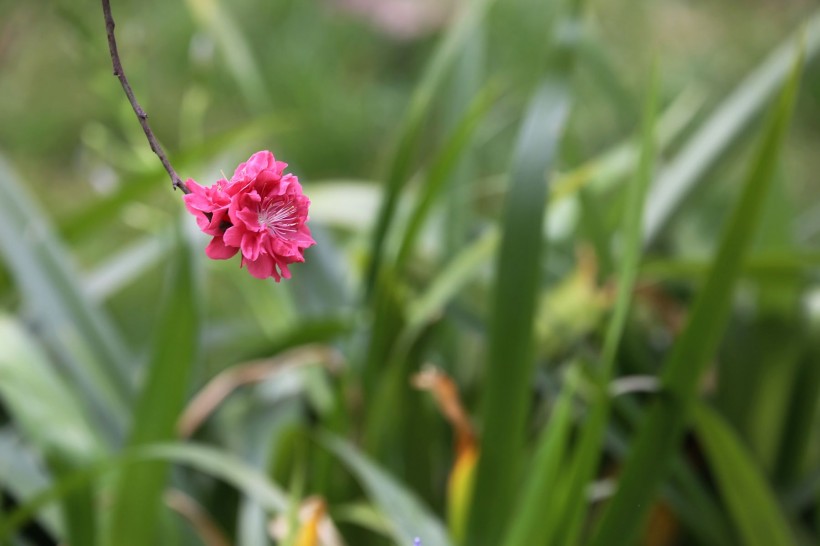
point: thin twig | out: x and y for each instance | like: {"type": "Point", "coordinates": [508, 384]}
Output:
{"type": "Point", "coordinates": [141, 115]}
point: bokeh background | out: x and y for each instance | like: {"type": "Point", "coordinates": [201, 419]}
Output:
{"type": "Point", "coordinates": [437, 342]}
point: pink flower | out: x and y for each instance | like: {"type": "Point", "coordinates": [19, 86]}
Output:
{"type": "Point", "coordinates": [210, 207]}
{"type": "Point", "coordinates": [260, 212]}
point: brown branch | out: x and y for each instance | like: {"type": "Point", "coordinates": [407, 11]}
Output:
{"type": "Point", "coordinates": [141, 115]}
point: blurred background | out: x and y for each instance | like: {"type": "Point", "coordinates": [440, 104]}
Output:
{"type": "Point", "coordinates": [151, 396]}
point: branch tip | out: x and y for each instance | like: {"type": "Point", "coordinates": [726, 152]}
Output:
{"type": "Point", "coordinates": [142, 116]}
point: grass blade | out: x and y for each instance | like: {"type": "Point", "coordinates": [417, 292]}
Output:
{"type": "Point", "coordinates": [139, 491]}
{"type": "Point", "coordinates": [586, 457]}
{"type": "Point", "coordinates": [510, 363]}
{"type": "Point", "coordinates": [50, 283]}
{"type": "Point", "coordinates": [442, 169]}
{"type": "Point", "coordinates": [725, 126]}
{"type": "Point", "coordinates": [408, 517]}
{"type": "Point", "coordinates": [49, 414]}
{"type": "Point", "coordinates": [658, 438]}
{"type": "Point", "coordinates": [459, 271]}
{"type": "Point", "coordinates": [239, 60]}
{"type": "Point", "coordinates": [206, 459]}
{"type": "Point", "coordinates": [20, 462]}
{"type": "Point", "coordinates": [126, 266]}
{"type": "Point", "coordinates": [52, 419]}
{"type": "Point", "coordinates": [805, 401]}
{"type": "Point", "coordinates": [540, 490]}
{"type": "Point", "coordinates": [401, 164]}
{"type": "Point", "coordinates": [751, 502]}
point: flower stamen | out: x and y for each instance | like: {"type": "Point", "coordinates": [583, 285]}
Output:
{"type": "Point", "coordinates": [278, 217]}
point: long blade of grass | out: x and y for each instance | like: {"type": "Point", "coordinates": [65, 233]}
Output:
{"type": "Point", "coordinates": [239, 60]}
{"type": "Point", "coordinates": [126, 266]}
{"type": "Point", "coordinates": [459, 271]}
{"type": "Point", "coordinates": [795, 446]}
{"type": "Point", "coordinates": [23, 476]}
{"type": "Point", "coordinates": [206, 459]}
{"type": "Point", "coordinates": [50, 283]}
{"type": "Point", "coordinates": [420, 104]}
{"type": "Point", "coordinates": [687, 493]}
{"type": "Point", "coordinates": [571, 509]}
{"type": "Point", "coordinates": [51, 418]}
{"type": "Point", "coordinates": [724, 127]}
{"type": "Point", "coordinates": [658, 438]}
{"type": "Point", "coordinates": [33, 393]}
{"type": "Point", "coordinates": [407, 516]}
{"type": "Point", "coordinates": [762, 267]}
{"type": "Point", "coordinates": [601, 172]}
{"type": "Point", "coordinates": [468, 262]}
{"type": "Point", "coordinates": [137, 498]}
{"type": "Point", "coordinates": [442, 169]}
{"type": "Point", "coordinates": [541, 488]}
{"type": "Point", "coordinates": [750, 500]}
{"type": "Point", "coordinates": [510, 363]}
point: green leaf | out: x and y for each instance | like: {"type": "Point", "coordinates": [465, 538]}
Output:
{"type": "Point", "coordinates": [219, 464]}
{"type": "Point", "coordinates": [569, 513]}
{"type": "Point", "coordinates": [459, 271]}
{"type": "Point", "coordinates": [23, 476]}
{"type": "Point", "coordinates": [407, 516]}
{"type": "Point", "coordinates": [442, 168]}
{"type": "Point", "coordinates": [510, 359]}
{"type": "Point", "coordinates": [795, 446]}
{"type": "Point", "coordinates": [51, 418]}
{"type": "Point", "coordinates": [138, 494]}
{"type": "Point", "coordinates": [411, 131]}
{"type": "Point", "coordinates": [603, 171]}
{"type": "Point", "coordinates": [541, 489]}
{"type": "Point", "coordinates": [658, 438]}
{"type": "Point", "coordinates": [127, 265]}
{"type": "Point", "coordinates": [206, 459]}
{"type": "Point", "coordinates": [728, 123]}
{"type": "Point", "coordinates": [43, 409]}
{"type": "Point", "coordinates": [239, 60]}
{"type": "Point", "coordinates": [751, 502]}
{"type": "Point", "coordinates": [82, 335]}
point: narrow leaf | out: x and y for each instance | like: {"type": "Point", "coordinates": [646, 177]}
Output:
{"type": "Point", "coordinates": [510, 363]}
{"type": "Point", "coordinates": [50, 283]}
{"type": "Point", "coordinates": [750, 500]}
{"type": "Point", "coordinates": [725, 126]}
{"type": "Point", "coordinates": [137, 498]}
{"type": "Point", "coordinates": [51, 418]}
{"type": "Point", "coordinates": [420, 104]}
{"type": "Point", "coordinates": [407, 516]}
{"type": "Point", "coordinates": [569, 513]}
{"type": "Point", "coordinates": [541, 487]}
{"type": "Point", "coordinates": [442, 169]}
{"type": "Point", "coordinates": [206, 459]}
{"type": "Point", "coordinates": [23, 476]}
{"type": "Point", "coordinates": [657, 440]}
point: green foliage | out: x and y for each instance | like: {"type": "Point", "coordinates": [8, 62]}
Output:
{"type": "Point", "coordinates": [134, 511]}
{"type": "Point", "coordinates": [751, 502]}
{"type": "Point", "coordinates": [510, 345]}
{"type": "Point", "coordinates": [633, 364]}
{"type": "Point", "coordinates": [665, 422]}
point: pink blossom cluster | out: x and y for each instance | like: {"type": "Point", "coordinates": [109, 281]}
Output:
{"type": "Point", "coordinates": [259, 212]}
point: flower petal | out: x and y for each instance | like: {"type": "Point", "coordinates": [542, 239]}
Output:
{"type": "Point", "coordinates": [218, 250]}
{"type": "Point", "coordinates": [233, 236]}
{"type": "Point", "coordinates": [263, 267]}
{"type": "Point", "coordinates": [251, 245]}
